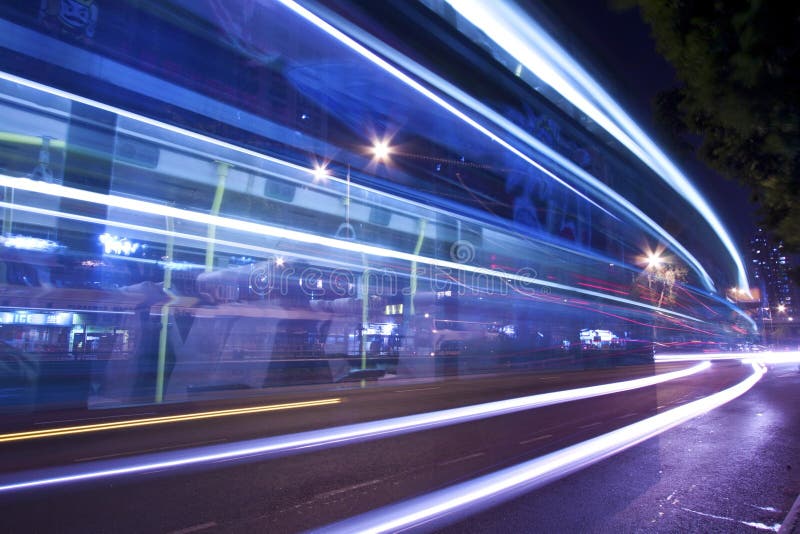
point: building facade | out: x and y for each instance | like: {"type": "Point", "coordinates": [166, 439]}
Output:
{"type": "Point", "coordinates": [771, 267]}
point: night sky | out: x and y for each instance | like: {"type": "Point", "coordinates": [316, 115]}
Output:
{"type": "Point", "coordinates": [618, 43]}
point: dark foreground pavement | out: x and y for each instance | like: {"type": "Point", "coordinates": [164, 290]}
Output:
{"type": "Point", "coordinates": [735, 469]}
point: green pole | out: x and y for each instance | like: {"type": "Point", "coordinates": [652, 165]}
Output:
{"type": "Point", "coordinates": [413, 282]}
{"type": "Point", "coordinates": [364, 315]}
{"type": "Point", "coordinates": [222, 175]}
{"type": "Point", "coordinates": [8, 219]}
{"type": "Point", "coordinates": [162, 338]}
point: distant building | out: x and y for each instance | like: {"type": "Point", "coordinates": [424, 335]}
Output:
{"type": "Point", "coordinates": [770, 267]}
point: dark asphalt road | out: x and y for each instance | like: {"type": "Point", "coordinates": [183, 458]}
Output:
{"type": "Point", "coordinates": [299, 492]}
{"type": "Point", "coordinates": [376, 401]}
{"type": "Point", "coordinates": [736, 469]}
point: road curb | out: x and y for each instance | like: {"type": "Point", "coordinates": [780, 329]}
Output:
{"type": "Point", "coordinates": [791, 525]}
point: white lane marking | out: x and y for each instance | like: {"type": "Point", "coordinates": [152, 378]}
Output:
{"type": "Point", "coordinates": [195, 528]}
{"type": "Point", "coordinates": [461, 459]}
{"type": "Point", "coordinates": [144, 451]}
{"type": "Point", "coordinates": [338, 491]}
{"type": "Point", "coordinates": [755, 524]}
{"type": "Point", "coordinates": [537, 438]}
{"type": "Point", "coordinates": [766, 508]}
{"type": "Point", "coordinates": [590, 425]}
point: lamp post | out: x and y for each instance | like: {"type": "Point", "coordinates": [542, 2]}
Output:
{"type": "Point", "coordinates": [654, 263]}
{"type": "Point", "coordinates": [779, 329]}
{"type": "Point", "coordinates": [381, 149]}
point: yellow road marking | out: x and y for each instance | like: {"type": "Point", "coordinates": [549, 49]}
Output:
{"type": "Point", "coordinates": [64, 431]}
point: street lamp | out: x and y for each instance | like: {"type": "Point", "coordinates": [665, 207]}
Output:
{"type": "Point", "coordinates": [654, 260]}
{"type": "Point", "coordinates": [321, 173]}
{"type": "Point", "coordinates": [381, 149]}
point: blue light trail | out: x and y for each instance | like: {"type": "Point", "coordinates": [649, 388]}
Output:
{"type": "Point", "coordinates": [304, 441]}
{"type": "Point", "coordinates": [513, 30]}
{"type": "Point", "coordinates": [467, 498]}
{"type": "Point", "coordinates": [254, 228]}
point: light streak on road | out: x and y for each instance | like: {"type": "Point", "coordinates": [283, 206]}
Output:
{"type": "Point", "coordinates": [132, 423]}
{"type": "Point", "coordinates": [315, 439]}
{"type": "Point", "coordinates": [697, 356]}
{"type": "Point", "coordinates": [514, 31]}
{"type": "Point", "coordinates": [259, 229]}
{"type": "Point", "coordinates": [774, 357]}
{"type": "Point", "coordinates": [455, 502]}
{"type": "Point", "coordinates": [765, 357]}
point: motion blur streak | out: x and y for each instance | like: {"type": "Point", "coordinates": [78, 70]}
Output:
{"type": "Point", "coordinates": [142, 206]}
{"type": "Point", "coordinates": [63, 431]}
{"type": "Point", "coordinates": [152, 122]}
{"type": "Point", "coordinates": [605, 192]}
{"type": "Point", "coordinates": [394, 71]}
{"type": "Point", "coordinates": [697, 356]}
{"type": "Point", "coordinates": [790, 356]}
{"type": "Point", "coordinates": [463, 98]}
{"type": "Point", "coordinates": [455, 502]}
{"type": "Point", "coordinates": [513, 30]}
{"type": "Point", "coordinates": [171, 128]}
{"type": "Point", "coordinates": [304, 441]}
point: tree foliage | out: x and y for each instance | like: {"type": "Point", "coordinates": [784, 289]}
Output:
{"type": "Point", "coordinates": [738, 98]}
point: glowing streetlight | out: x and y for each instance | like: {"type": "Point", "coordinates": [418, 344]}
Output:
{"type": "Point", "coordinates": [321, 173]}
{"type": "Point", "coordinates": [381, 149]}
{"type": "Point", "coordinates": [781, 308]}
{"type": "Point", "coordinates": [654, 260]}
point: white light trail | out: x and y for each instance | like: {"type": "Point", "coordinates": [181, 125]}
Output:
{"type": "Point", "coordinates": [596, 184]}
{"type": "Point", "coordinates": [765, 357]}
{"type": "Point", "coordinates": [411, 82]}
{"type": "Point", "coordinates": [467, 498]}
{"type": "Point", "coordinates": [773, 357]}
{"type": "Point", "coordinates": [514, 31]}
{"type": "Point", "coordinates": [304, 441]}
{"type": "Point", "coordinates": [603, 190]}
{"type": "Point", "coordinates": [258, 229]}
{"type": "Point", "coordinates": [697, 356]}
{"type": "Point", "coordinates": [146, 120]}
{"type": "Point", "coordinates": [313, 172]}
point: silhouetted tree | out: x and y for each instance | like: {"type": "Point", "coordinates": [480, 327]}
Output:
{"type": "Point", "coordinates": [738, 102]}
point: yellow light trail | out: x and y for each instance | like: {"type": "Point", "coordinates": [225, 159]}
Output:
{"type": "Point", "coordinates": [65, 431]}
